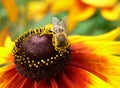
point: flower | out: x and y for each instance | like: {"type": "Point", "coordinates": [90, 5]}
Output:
{"type": "Point", "coordinates": [32, 10]}
{"type": "Point", "coordinates": [46, 58]}
{"type": "Point", "coordinates": [36, 10]}
{"type": "Point", "coordinates": [109, 9]}
{"type": "Point", "coordinates": [80, 10]}
{"type": "Point", "coordinates": [11, 9]}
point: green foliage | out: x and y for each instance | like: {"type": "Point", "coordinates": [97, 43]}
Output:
{"type": "Point", "coordinates": [95, 25]}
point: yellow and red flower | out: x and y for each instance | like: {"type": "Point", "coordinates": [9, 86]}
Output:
{"type": "Point", "coordinates": [95, 62]}
{"type": "Point", "coordinates": [80, 10]}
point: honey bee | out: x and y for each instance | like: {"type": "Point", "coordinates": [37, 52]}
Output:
{"type": "Point", "coordinates": [60, 29]}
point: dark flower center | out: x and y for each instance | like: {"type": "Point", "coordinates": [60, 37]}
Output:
{"type": "Point", "coordinates": [37, 57]}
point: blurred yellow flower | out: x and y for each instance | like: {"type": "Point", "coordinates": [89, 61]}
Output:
{"type": "Point", "coordinates": [36, 10]}
{"type": "Point", "coordinates": [112, 13]}
{"type": "Point", "coordinates": [11, 9]}
{"type": "Point", "coordinates": [80, 10]}
{"type": "Point", "coordinates": [110, 9]}
{"type": "Point", "coordinates": [32, 10]}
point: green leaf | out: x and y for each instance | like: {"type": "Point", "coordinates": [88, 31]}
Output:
{"type": "Point", "coordinates": [46, 20]}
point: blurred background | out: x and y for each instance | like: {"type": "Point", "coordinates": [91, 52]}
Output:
{"type": "Point", "coordinates": [85, 17]}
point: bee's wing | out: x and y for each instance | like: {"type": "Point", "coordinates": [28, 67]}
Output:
{"type": "Point", "coordinates": [63, 23]}
{"type": "Point", "coordinates": [55, 21]}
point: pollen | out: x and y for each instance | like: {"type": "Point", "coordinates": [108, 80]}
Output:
{"type": "Point", "coordinates": [30, 65]}
{"type": "Point", "coordinates": [52, 58]}
{"type": "Point", "coordinates": [60, 54]}
{"type": "Point", "coordinates": [56, 55]}
{"type": "Point", "coordinates": [32, 61]}
{"type": "Point", "coordinates": [37, 57]}
{"type": "Point", "coordinates": [46, 64]}
{"type": "Point", "coordinates": [36, 66]}
{"type": "Point", "coordinates": [28, 61]}
{"type": "Point", "coordinates": [48, 60]}
{"type": "Point", "coordinates": [38, 62]}
{"type": "Point", "coordinates": [43, 61]}
{"type": "Point", "coordinates": [51, 62]}
{"type": "Point", "coordinates": [27, 58]}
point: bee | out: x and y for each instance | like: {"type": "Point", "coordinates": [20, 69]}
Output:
{"type": "Point", "coordinates": [60, 29]}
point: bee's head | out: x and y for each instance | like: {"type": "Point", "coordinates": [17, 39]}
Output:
{"type": "Point", "coordinates": [58, 26]}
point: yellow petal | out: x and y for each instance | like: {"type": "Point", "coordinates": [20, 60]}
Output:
{"type": "Point", "coordinates": [108, 69]}
{"type": "Point", "coordinates": [105, 66]}
{"type": "Point", "coordinates": [3, 34]}
{"type": "Point", "coordinates": [5, 68]}
{"type": "Point", "coordinates": [9, 76]}
{"type": "Point", "coordinates": [62, 5]}
{"type": "Point", "coordinates": [9, 43]}
{"type": "Point", "coordinates": [111, 13]}
{"type": "Point", "coordinates": [6, 59]}
{"type": "Point", "coordinates": [50, 1]}
{"type": "Point", "coordinates": [81, 78]}
{"type": "Point", "coordinates": [6, 50]}
{"type": "Point", "coordinates": [112, 35]}
{"type": "Point", "coordinates": [79, 13]}
{"type": "Point", "coordinates": [96, 82]}
{"type": "Point", "coordinates": [104, 47]}
{"type": "Point", "coordinates": [101, 3]}
{"type": "Point", "coordinates": [11, 9]}
{"type": "Point", "coordinates": [37, 9]}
